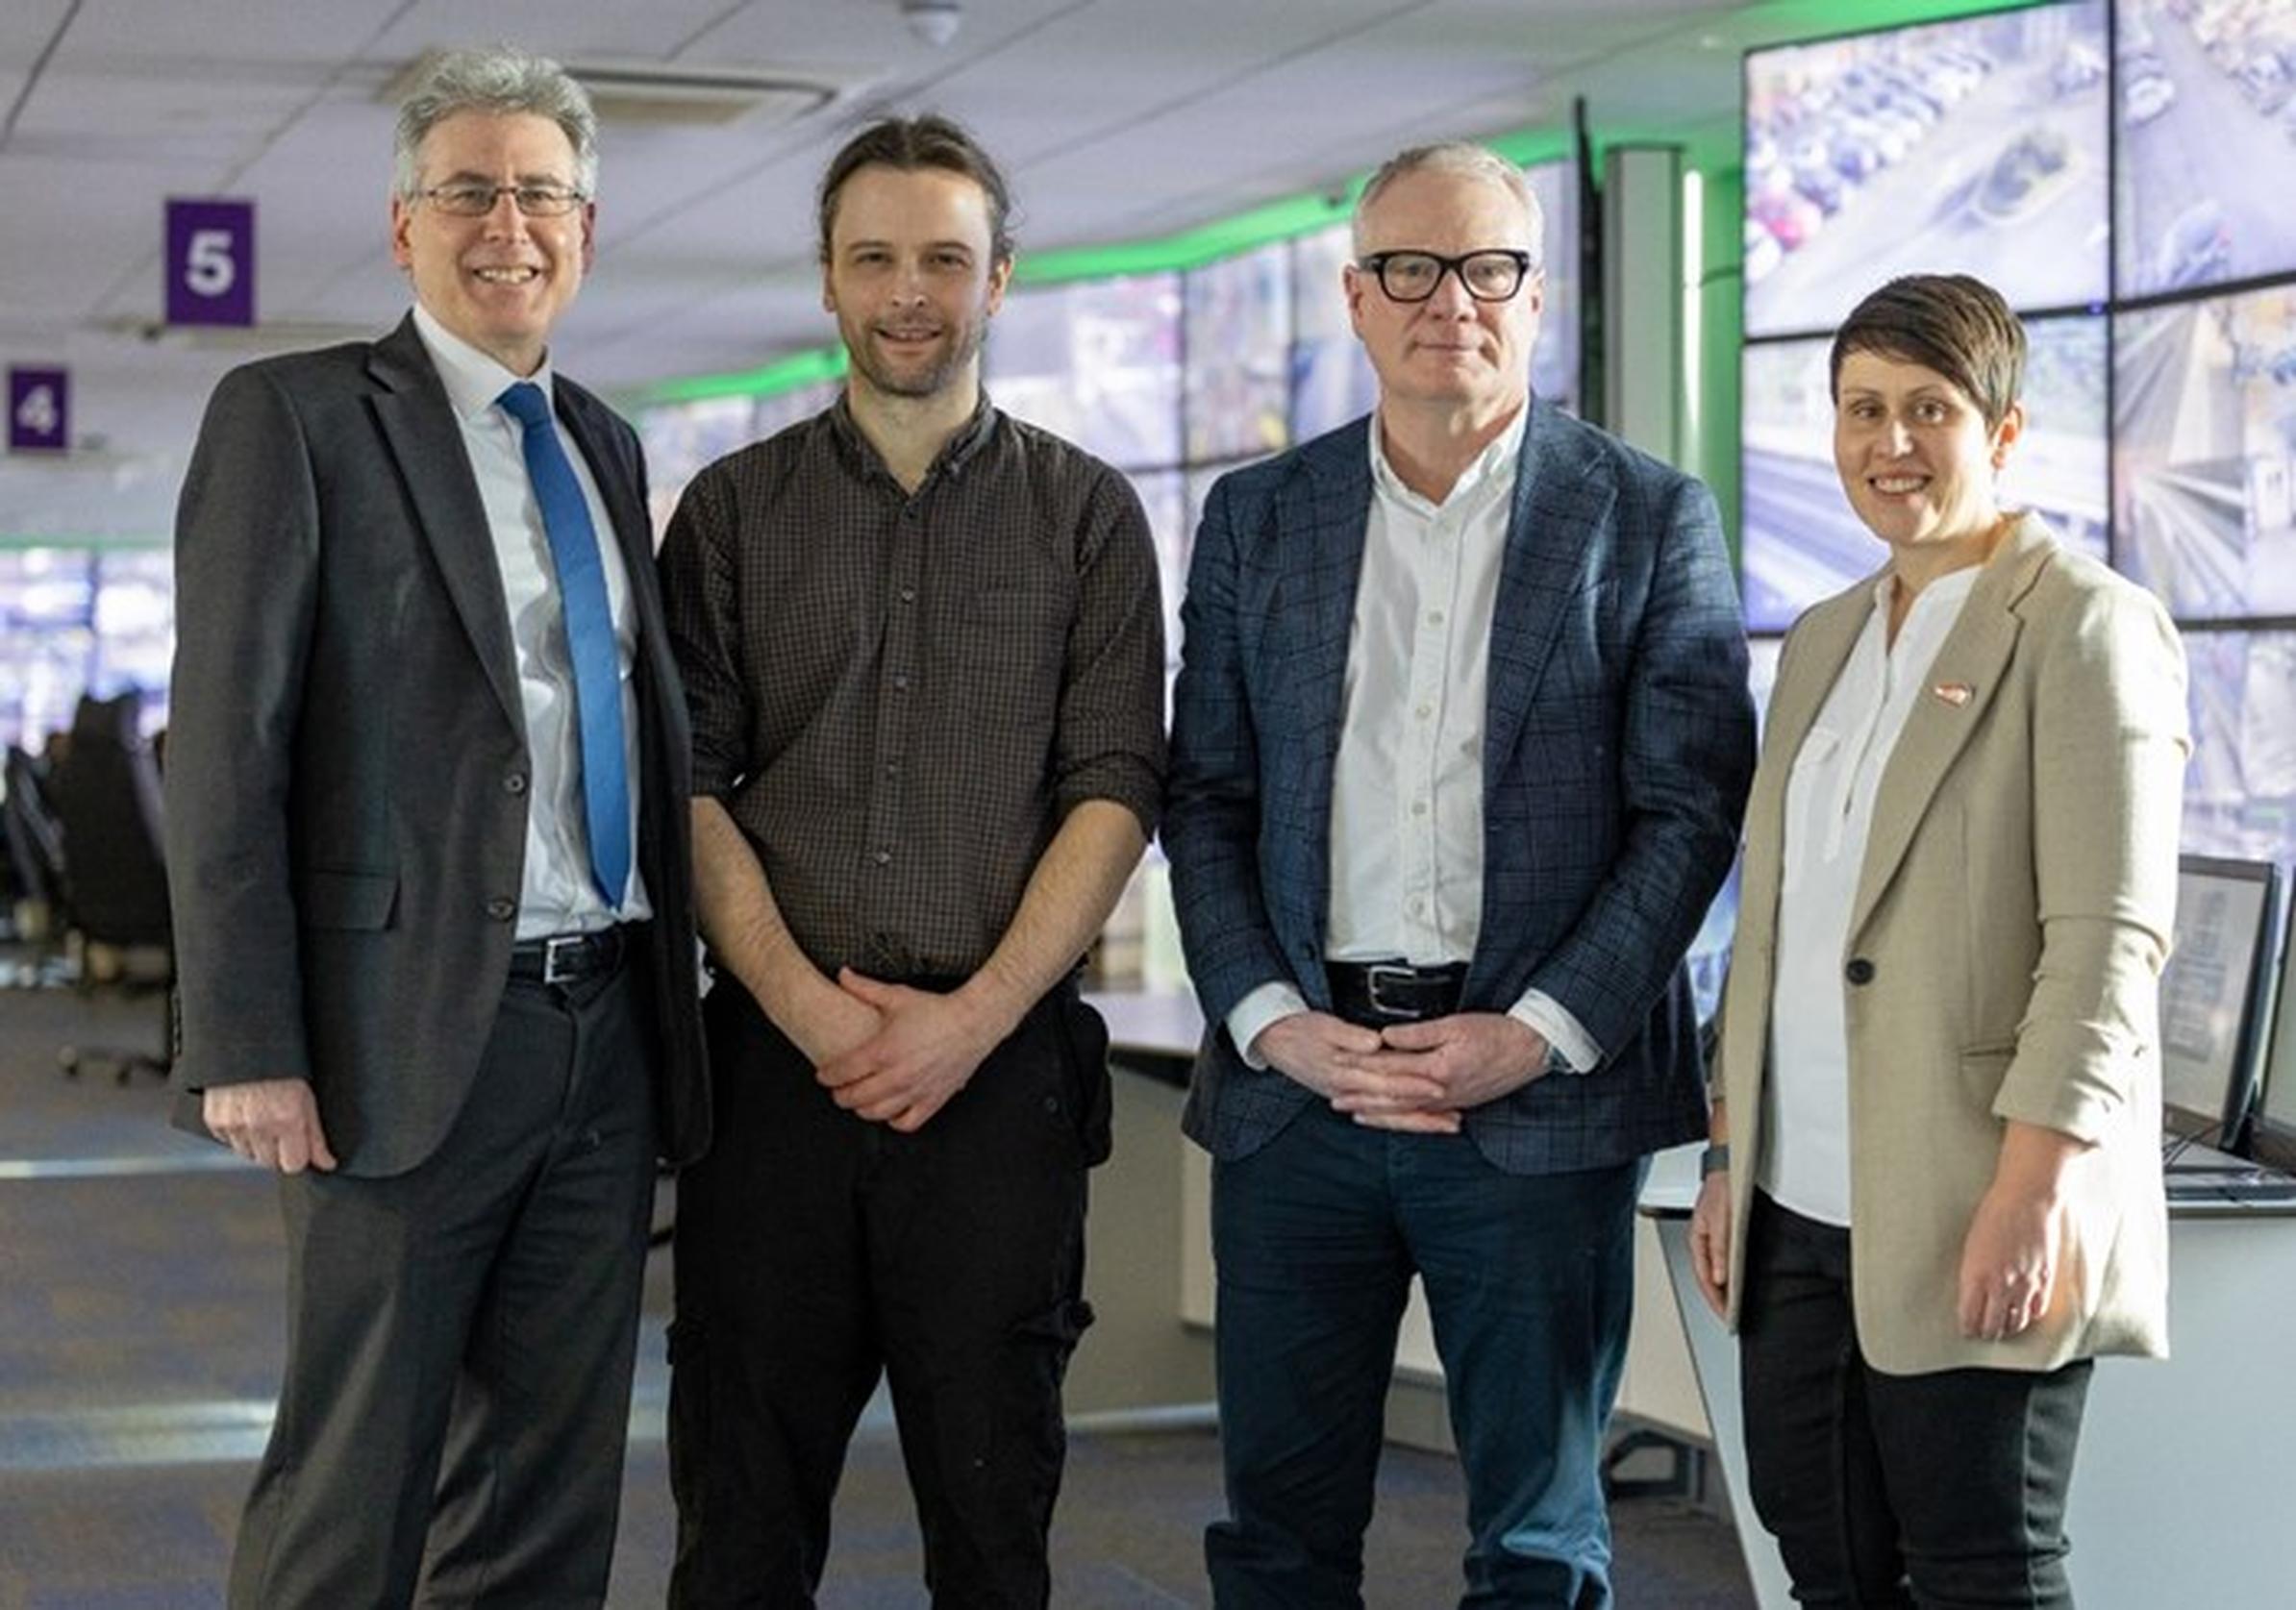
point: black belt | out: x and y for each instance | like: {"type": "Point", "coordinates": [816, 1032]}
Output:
{"type": "Point", "coordinates": [564, 958]}
{"type": "Point", "coordinates": [1376, 993]}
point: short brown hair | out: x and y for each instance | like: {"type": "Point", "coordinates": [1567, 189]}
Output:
{"type": "Point", "coordinates": [911, 143]}
{"type": "Point", "coordinates": [1951, 323]}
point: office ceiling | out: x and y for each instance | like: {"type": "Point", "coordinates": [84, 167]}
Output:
{"type": "Point", "coordinates": [1117, 119]}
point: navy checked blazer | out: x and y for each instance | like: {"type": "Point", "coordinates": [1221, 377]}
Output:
{"type": "Point", "coordinates": [1617, 750]}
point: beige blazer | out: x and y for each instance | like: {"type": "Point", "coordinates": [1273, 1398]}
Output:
{"type": "Point", "coordinates": [2003, 952]}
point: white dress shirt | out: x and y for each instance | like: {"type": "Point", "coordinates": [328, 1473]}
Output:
{"type": "Point", "coordinates": [557, 893]}
{"type": "Point", "coordinates": [1407, 786]}
{"type": "Point", "coordinates": [1829, 810]}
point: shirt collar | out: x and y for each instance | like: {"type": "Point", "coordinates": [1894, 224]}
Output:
{"type": "Point", "coordinates": [1493, 466]}
{"type": "Point", "coordinates": [474, 382]}
{"type": "Point", "coordinates": [955, 453]}
{"type": "Point", "coordinates": [1947, 591]}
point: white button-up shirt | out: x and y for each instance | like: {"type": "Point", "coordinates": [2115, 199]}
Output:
{"type": "Point", "coordinates": [1829, 812]}
{"type": "Point", "coordinates": [1407, 786]}
{"type": "Point", "coordinates": [557, 893]}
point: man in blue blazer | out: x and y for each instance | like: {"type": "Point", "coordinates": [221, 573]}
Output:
{"type": "Point", "coordinates": [1461, 742]}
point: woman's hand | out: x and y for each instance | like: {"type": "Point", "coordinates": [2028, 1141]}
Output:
{"type": "Point", "coordinates": [1710, 1241]}
{"type": "Point", "coordinates": [2011, 1256]}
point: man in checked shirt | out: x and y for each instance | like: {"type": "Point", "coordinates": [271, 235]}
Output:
{"type": "Point", "coordinates": [923, 651]}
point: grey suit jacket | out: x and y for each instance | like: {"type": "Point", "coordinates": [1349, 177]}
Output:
{"type": "Point", "coordinates": [347, 762]}
{"type": "Point", "coordinates": [1617, 746]}
{"type": "Point", "coordinates": [2012, 914]}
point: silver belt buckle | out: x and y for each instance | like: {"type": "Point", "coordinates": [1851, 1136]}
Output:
{"type": "Point", "coordinates": [567, 945]}
{"type": "Point", "coordinates": [1390, 972]}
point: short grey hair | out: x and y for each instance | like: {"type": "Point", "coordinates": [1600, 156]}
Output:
{"type": "Point", "coordinates": [500, 81]}
{"type": "Point", "coordinates": [1461, 158]}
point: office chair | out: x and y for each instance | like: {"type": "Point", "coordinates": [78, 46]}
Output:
{"type": "Point", "coordinates": [35, 857]}
{"type": "Point", "coordinates": [107, 796]}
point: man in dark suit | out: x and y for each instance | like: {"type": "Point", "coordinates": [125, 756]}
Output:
{"type": "Point", "coordinates": [1461, 741]}
{"type": "Point", "coordinates": [429, 855]}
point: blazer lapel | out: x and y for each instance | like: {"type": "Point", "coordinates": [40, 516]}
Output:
{"type": "Point", "coordinates": [418, 424]}
{"type": "Point", "coordinates": [1962, 684]}
{"type": "Point", "coordinates": [1330, 507]}
{"type": "Point", "coordinates": [1820, 647]}
{"type": "Point", "coordinates": [1560, 517]}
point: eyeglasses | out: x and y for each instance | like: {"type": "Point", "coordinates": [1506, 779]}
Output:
{"type": "Point", "coordinates": [1490, 275]}
{"type": "Point", "coordinates": [476, 201]}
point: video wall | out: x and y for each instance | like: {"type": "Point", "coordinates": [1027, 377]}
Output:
{"type": "Point", "coordinates": [2122, 172]}
{"type": "Point", "coordinates": [76, 620]}
{"type": "Point", "coordinates": [1175, 378]}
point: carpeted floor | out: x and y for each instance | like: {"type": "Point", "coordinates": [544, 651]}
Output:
{"type": "Point", "coordinates": [139, 1344]}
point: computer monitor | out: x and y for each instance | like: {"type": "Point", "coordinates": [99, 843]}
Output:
{"type": "Point", "coordinates": [2273, 1137]}
{"type": "Point", "coordinates": [2211, 995]}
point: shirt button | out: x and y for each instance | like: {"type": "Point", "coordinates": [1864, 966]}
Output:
{"type": "Point", "coordinates": [892, 768]}
{"type": "Point", "coordinates": [1418, 808]}
{"type": "Point", "coordinates": [1434, 617]}
{"type": "Point", "coordinates": [899, 684]}
{"type": "Point", "coordinates": [1418, 906]}
{"type": "Point", "coordinates": [501, 910]}
{"type": "Point", "coordinates": [909, 595]}
{"type": "Point", "coordinates": [882, 857]}
{"type": "Point", "coordinates": [515, 784]}
{"type": "Point", "coordinates": [1424, 711]}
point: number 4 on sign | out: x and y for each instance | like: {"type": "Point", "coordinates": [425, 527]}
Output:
{"type": "Point", "coordinates": [39, 408]}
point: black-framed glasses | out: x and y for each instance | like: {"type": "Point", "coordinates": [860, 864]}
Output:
{"type": "Point", "coordinates": [476, 201]}
{"type": "Point", "coordinates": [1490, 276]}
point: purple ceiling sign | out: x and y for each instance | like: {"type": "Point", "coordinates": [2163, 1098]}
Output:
{"type": "Point", "coordinates": [211, 262]}
{"type": "Point", "coordinates": [39, 409]}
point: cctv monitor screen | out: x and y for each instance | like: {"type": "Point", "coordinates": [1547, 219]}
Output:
{"type": "Point", "coordinates": [1239, 355]}
{"type": "Point", "coordinates": [2204, 452]}
{"type": "Point", "coordinates": [2274, 1134]}
{"type": "Point", "coordinates": [1096, 361]}
{"type": "Point", "coordinates": [2211, 995]}
{"type": "Point", "coordinates": [2205, 97]}
{"type": "Point", "coordinates": [1801, 542]}
{"type": "Point", "coordinates": [1976, 146]}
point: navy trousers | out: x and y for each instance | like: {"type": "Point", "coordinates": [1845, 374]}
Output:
{"type": "Point", "coordinates": [1529, 1280]}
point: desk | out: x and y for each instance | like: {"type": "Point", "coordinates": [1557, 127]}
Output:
{"type": "Point", "coordinates": [2184, 1493]}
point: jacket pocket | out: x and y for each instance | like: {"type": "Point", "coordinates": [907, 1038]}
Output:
{"type": "Point", "coordinates": [349, 899]}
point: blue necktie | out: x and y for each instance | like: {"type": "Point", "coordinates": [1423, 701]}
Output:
{"type": "Point", "coordinates": [589, 638]}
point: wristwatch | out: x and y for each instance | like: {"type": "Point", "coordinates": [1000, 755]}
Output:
{"type": "Point", "coordinates": [1714, 1159]}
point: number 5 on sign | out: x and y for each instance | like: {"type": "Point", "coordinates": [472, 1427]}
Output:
{"type": "Point", "coordinates": [211, 262]}
{"type": "Point", "coordinates": [39, 409]}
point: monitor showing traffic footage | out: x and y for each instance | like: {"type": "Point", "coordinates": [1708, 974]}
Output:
{"type": "Point", "coordinates": [1239, 354]}
{"type": "Point", "coordinates": [2211, 992]}
{"type": "Point", "coordinates": [1096, 361]}
{"type": "Point", "coordinates": [1976, 146]}
{"type": "Point", "coordinates": [2240, 781]}
{"type": "Point", "coordinates": [2205, 97]}
{"type": "Point", "coordinates": [2204, 452]}
{"type": "Point", "coordinates": [1801, 542]}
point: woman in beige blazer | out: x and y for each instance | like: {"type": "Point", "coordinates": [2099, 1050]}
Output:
{"type": "Point", "coordinates": [1933, 1189]}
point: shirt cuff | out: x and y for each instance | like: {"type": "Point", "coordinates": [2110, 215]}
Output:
{"type": "Point", "coordinates": [1570, 1049]}
{"type": "Point", "coordinates": [1265, 1005]}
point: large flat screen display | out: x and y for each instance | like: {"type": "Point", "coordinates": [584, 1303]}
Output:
{"type": "Point", "coordinates": [2204, 452]}
{"type": "Point", "coordinates": [1802, 543]}
{"type": "Point", "coordinates": [1096, 361]}
{"type": "Point", "coordinates": [2204, 96]}
{"type": "Point", "coordinates": [1976, 146]}
{"type": "Point", "coordinates": [2240, 782]}
{"type": "Point", "coordinates": [1239, 355]}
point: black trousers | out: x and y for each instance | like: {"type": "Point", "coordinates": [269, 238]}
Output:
{"type": "Point", "coordinates": [460, 1337]}
{"type": "Point", "coordinates": [1942, 1490]}
{"type": "Point", "coordinates": [816, 1249]}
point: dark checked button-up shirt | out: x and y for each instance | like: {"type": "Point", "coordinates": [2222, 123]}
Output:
{"type": "Point", "coordinates": [898, 697]}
